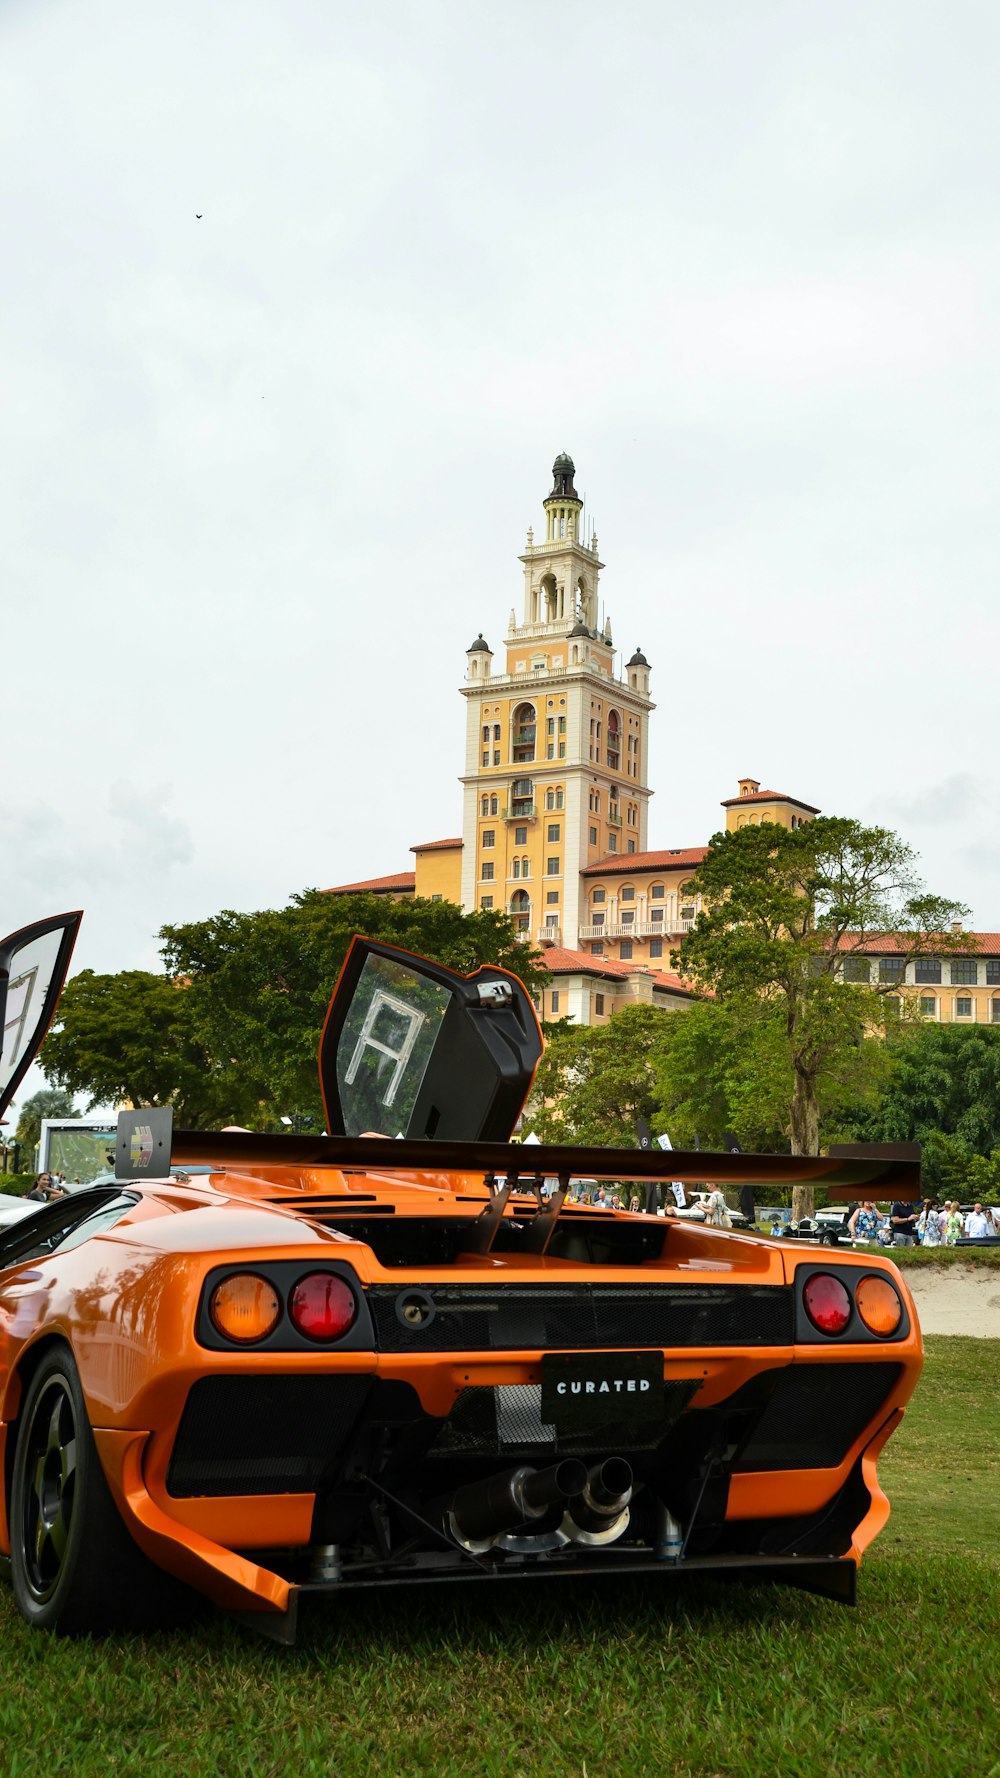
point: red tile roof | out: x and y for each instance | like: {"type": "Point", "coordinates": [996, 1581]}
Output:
{"type": "Point", "coordinates": [768, 796]}
{"type": "Point", "coordinates": [677, 858]}
{"type": "Point", "coordinates": [986, 944]}
{"type": "Point", "coordinates": [562, 962]}
{"type": "Point", "coordinates": [439, 846]}
{"type": "Point", "coordinates": [401, 882]}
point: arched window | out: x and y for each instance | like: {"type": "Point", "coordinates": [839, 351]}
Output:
{"type": "Point", "coordinates": [995, 1011]}
{"type": "Point", "coordinates": [613, 744]}
{"type": "Point", "coordinates": [515, 869]}
{"type": "Point", "coordinates": [520, 910]}
{"type": "Point", "coordinates": [523, 735]}
{"type": "Point", "coordinates": [522, 801]}
{"type": "Point", "coordinates": [494, 805]}
{"type": "Point", "coordinates": [549, 599]}
{"type": "Point", "coordinates": [484, 805]}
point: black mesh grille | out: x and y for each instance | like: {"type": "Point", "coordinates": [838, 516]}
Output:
{"type": "Point", "coordinates": [262, 1435]}
{"type": "Point", "coordinates": [563, 1317]}
{"type": "Point", "coordinates": [506, 1421]}
{"type": "Point", "coordinates": [815, 1414]}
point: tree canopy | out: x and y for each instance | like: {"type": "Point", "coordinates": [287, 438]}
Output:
{"type": "Point", "coordinates": [229, 1033]}
{"type": "Point", "coordinates": [782, 908]}
{"type": "Point", "coordinates": [943, 1091]}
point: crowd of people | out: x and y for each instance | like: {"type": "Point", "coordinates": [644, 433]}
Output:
{"type": "Point", "coordinates": [928, 1224]}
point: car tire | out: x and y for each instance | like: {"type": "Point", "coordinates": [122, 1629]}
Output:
{"type": "Point", "coordinates": [74, 1567]}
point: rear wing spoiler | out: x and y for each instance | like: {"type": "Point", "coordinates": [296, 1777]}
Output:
{"type": "Point", "coordinates": [148, 1146]}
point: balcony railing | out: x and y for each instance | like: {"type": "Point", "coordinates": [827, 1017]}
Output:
{"type": "Point", "coordinates": [519, 812]}
{"type": "Point", "coordinates": [614, 819]}
{"type": "Point", "coordinates": [550, 935]}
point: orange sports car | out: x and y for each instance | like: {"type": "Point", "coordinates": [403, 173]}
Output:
{"type": "Point", "coordinates": [259, 1368]}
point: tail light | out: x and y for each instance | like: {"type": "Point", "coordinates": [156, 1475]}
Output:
{"type": "Point", "coordinates": [322, 1306]}
{"type": "Point", "coordinates": [827, 1303]}
{"type": "Point", "coordinates": [879, 1305]}
{"type": "Point", "coordinates": [245, 1308]}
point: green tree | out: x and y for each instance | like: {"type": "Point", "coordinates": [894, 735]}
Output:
{"type": "Point", "coordinates": [943, 1091]}
{"type": "Point", "coordinates": [48, 1102]}
{"type": "Point", "coordinates": [783, 907]}
{"type": "Point", "coordinates": [133, 1038]}
{"type": "Point", "coordinates": [595, 1081]}
{"type": "Point", "coordinates": [229, 1034]}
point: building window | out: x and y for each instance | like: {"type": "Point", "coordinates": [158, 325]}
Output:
{"type": "Point", "coordinates": [486, 759]}
{"type": "Point", "coordinates": [515, 869]}
{"type": "Point", "coordinates": [559, 799]}
{"type": "Point", "coordinates": [496, 756]}
{"type": "Point", "coordinates": [927, 969]}
{"type": "Point", "coordinates": [487, 872]}
{"type": "Point", "coordinates": [593, 836]}
{"type": "Point", "coordinates": [484, 805]}
{"type": "Point", "coordinates": [551, 920]}
{"type": "Point", "coordinates": [599, 1003]}
{"type": "Point", "coordinates": [496, 732]}
{"type": "Point", "coordinates": [963, 1006]}
{"type": "Point", "coordinates": [628, 892]}
{"type": "Point", "coordinates": [891, 1006]}
{"type": "Point", "coordinates": [523, 733]}
{"type": "Point", "coordinates": [494, 806]}
{"type": "Point", "coordinates": [597, 895]}
{"type": "Point", "coordinates": [964, 970]}
{"type": "Point", "coordinates": [555, 1000]}
{"type": "Point", "coordinates": [995, 1012]}
{"type": "Point", "coordinates": [890, 969]}
{"type": "Point", "coordinates": [597, 950]}
{"type": "Point", "coordinates": [656, 947]}
{"type": "Point", "coordinates": [553, 830]}
{"type": "Point", "coordinates": [520, 836]}
{"type": "Point", "coordinates": [486, 731]}
{"type": "Point", "coordinates": [928, 1006]}
{"type": "Point", "coordinates": [489, 836]}
{"type": "Point", "coordinates": [627, 919]}
{"type": "Point", "coordinates": [525, 867]}
{"type": "Point", "coordinates": [551, 895]}
{"type": "Point", "coordinates": [857, 969]}
{"type": "Point", "coordinates": [631, 846]}
{"type": "Point", "coordinates": [656, 916]}
{"type": "Point", "coordinates": [612, 842]}
{"type": "Point", "coordinates": [625, 950]}
{"type": "Point", "coordinates": [550, 724]}
{"type": "Point", "coordinates": [486, 901]}
{"type": "Point", "coordinates": [992, 971]}
{"type": "Point", "coordinates": [552, 867]}
{"type": "Point", "coordinates": [597, 919]}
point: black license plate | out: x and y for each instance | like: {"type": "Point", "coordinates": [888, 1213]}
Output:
{"type": "Point", "coordinates": [584, 1389]}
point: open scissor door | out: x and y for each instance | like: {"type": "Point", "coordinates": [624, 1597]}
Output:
{"type": "Point", "coordinates": [33, 965]}
{"type": "Point", "coordinates": [411, 1048]}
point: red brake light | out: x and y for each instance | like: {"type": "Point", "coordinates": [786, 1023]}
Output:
{"type": "Point", "coordinates": [827, 1302]}
{"type": "Point", "coordinates": [322, 1306]}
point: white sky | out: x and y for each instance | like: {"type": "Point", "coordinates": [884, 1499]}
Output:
{"type": "Point", "coordinates": [266, 474]}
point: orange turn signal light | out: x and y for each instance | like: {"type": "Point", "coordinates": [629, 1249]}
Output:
{"type": "Point", "coordinates": [245, 1308]}
{"type": "Point", "coordinates": [878, 1305]}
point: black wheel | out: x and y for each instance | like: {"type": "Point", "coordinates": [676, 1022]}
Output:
{"type": "Point", "coordinates": [74, 1567]}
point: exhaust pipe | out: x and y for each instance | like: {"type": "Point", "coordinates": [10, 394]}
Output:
{"type": "Point", "coordinates": [599, 1512]}
{"type": "Point", "coordinates": [481, 1511]}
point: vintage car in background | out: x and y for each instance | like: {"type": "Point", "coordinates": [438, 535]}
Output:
{"type": "Point", "coordinates": [386, 1356]}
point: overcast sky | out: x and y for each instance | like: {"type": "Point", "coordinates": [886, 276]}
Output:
{"type": "Point", "coordinates": [265, 474]}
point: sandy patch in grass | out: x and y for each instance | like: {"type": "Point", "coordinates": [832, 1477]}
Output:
{"type": "Point", "coordinates": [959, 1300]}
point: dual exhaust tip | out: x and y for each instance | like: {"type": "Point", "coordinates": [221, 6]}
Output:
{"type": "Point", "coordinates": [596, 1502]}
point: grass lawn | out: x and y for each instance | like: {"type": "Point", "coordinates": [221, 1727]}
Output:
{"type": "Point", "coordinates": [690, 1679]}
